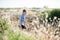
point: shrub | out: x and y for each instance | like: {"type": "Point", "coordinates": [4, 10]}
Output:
{"type": "Point", "coordinates": [54, 13]}
{"type": "Point", "coordinates": [3, 25]}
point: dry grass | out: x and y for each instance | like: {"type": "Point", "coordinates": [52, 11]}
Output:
{"type": "Point", "coordinates": [37, 30]}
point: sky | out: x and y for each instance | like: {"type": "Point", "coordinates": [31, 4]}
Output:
{"type": "Point", "coordinates": [29, 3]}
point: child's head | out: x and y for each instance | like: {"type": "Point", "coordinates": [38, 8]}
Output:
{"type": "Point", "coordinates": [24, 11]}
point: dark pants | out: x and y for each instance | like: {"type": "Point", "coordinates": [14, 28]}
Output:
{"type": "Point", "coordinates": [23, 27]}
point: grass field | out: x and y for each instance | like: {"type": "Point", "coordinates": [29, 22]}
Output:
{"type": "Point", "coordinates": [39, 28]}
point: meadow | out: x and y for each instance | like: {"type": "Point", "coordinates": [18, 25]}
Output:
{"type": "Point", "coordinates": [42, 24]}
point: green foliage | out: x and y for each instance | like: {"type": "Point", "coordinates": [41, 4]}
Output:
{"type": "Point", "coordinates": [20, 36]}
{"type": "Point", "coordinates": [41, 15]}
{"type": "Point", "coordinates": [3, 25]}
{"type": "Point", "coordinates": [1, 36]}
{"type": "Point", "coordinates": [54, 13]}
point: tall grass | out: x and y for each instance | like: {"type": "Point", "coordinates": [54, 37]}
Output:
{"type": "Point", "coordinates": [1, 36]}
{"type": "Point", "coordinates": [20, 36]}
{"type": "Point", "coordinates": [3, 27]}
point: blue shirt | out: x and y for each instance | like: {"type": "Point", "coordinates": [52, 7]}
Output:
{"type": "Point", "coordinates": [22, 18]}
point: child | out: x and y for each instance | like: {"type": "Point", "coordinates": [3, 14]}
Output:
{"type": "Point", "coordinates": [23, 17]}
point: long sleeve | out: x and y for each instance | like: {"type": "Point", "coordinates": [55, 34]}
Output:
{"type": "Point", "coordinates": [22, 18]}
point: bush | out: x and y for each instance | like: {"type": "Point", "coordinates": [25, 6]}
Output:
{"type": "Point", "coordinates": [54, 13]}
{"type": "Point", "coordinates": [3, 25]}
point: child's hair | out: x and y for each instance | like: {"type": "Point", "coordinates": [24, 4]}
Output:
{"type": "Point", "coordinates": [24, 10]}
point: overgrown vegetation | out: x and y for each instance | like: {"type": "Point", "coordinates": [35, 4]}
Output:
{"type": "Point", "coordinates": [39, 27]}
{"type": "Point", "coordinates": [17, 36]}
{"type": "Point", "coordinates": [11, 35]}
{"type": "Point", "coordinates": [3, 27]}
{"type": "Point", "coordinates": [54, 13]}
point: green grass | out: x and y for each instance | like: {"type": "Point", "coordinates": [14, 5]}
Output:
{"type": "Point", "coordinates": [1, 36]}
{"type": "Point", "coordinates": [20, 36]}
{"type": "Point", "coordinates": [3, 27]}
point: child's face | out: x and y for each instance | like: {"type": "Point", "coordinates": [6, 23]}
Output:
{"type": "Point", "coordinates": [24, 12]}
